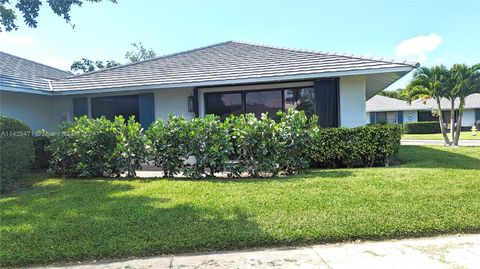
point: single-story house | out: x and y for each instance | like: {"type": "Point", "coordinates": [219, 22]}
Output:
{"type": "Point", "coordinates": [381, 109]}
{"type": "Point", "coordinates": [222, 79]}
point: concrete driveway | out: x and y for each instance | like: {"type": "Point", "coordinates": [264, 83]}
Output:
{"type": "Point", "coordinates": [454, 251]}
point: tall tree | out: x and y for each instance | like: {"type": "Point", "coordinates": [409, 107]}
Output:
{"type": "Point", "coordinates": [139, 53]}
{"type": "Point", "coordinates": [29, 10]}
{"type": "Point", "coordinates": [136, 54]}
{"type": "Point", "coordinates": [465, 81]}
{"type": "Point", "coordinates": [430, 83]}
{"type": "Point", "coordinates": [397, 94]}
{"type": "Point", "coordinates": [86, 65]}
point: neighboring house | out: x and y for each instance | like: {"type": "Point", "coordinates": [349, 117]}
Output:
{"type": "Point", "coordinates": [222, 79]}
{"type": "Point", "coordinates": [382, 109]}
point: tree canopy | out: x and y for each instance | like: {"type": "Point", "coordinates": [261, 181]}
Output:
{"type": "Point", "coordinates": [397, 94]}
{"type": "Point", "coordinates": [29, 11]}
{"type": "Point", "coordinates": [136, 54]}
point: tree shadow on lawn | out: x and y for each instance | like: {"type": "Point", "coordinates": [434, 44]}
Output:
{"type": "Point", "coordinates": [437, 157]}
{"type": "Point", "coordinates": [72, 220]}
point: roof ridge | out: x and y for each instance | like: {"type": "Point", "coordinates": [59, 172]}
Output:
{"type": "Point", "coordinates": [148, 60]}
{"type": "Point", "coordinates": [28, 60]}
{"type": "Point", "coordinates": [352, 56]}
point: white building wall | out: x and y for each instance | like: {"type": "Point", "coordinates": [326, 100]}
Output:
{"type": "Point", "coordinates": [173, 101]}
{"type": "Point", "coordinates": [468, 117]}
{"type": "Point", "coordinates": [352, 101]}
{"type": "Point", "coordinates": [410, 116]}
{"type": "Point", "coordinates": [34, 110]}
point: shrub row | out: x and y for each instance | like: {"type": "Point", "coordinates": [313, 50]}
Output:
{"type": "Point", "coordinates": [239, 145]}
{"type": "Point", "coordinates": [424, 127]}
{"type": "Point", "coordinates": [369, 145]}
{"type": "Point", "coordinates": [16, 152]}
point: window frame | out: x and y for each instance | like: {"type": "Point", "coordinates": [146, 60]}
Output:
{"type": "Point", "coordinates": [244, 92]}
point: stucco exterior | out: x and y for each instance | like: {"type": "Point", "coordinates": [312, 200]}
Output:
{"type": "Point", "coordinates": [352, 101]}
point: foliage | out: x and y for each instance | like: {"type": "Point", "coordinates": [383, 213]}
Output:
{"type": "Point", "coordinates": [30, 9]}
{"type": "Point", "coordinates": [42, 154]}
{"type": "Point", "coordinates": [86, 65]}
{"type": "Point", "coordinates": [432, 83]}
{"type": "Point", "coordinates": [16, 152]}
{"type": "Point", "coordinates": [370, 145]}
{"type": "Point", "coordinates": [168, 144]}
{"type": "Point", "coordinates": [425, 127]}
{"type": "Point", "coordinates": [139, 53]}
{"type": "Point", "coordinates": [208, 141]}
{"type": "Point", "coordinates": [97, 147]}
{"type": "Point", "coordinates": [295, 133]}
{"type": "Point", "coordinates": [397, 94]}
{"type": "Point", "coordinates": [435, 190]}
{"type": "Point", "coordinates": [256, 146]}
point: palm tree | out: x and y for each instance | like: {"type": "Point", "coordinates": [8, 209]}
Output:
{"type": "Point", "coordinates": [465, 81]}
{"type": "Point", "coordinates": [430, 83]}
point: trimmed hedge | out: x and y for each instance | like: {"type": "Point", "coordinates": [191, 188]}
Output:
{"type": "Point", "coordinates": [16, 152]}
{"type": "Point", "coordinates": [424, 127]}
{"type": "Point", "coordinates": [240, 145]}
{"type": "Point", "coordinates": [370, 145]}
{"type": "Point", "coordinates": [97, 148]}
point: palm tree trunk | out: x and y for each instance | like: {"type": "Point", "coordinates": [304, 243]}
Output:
{"type": "Point", "coordinates": [452, 120]}
{"type": "Point", "coordinates": [459, 122]}
{"type": "Point", "coordinates": [442, 128]}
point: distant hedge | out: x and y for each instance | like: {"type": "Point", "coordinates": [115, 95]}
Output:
{"type": "Point", "coordinates": [16, 152]}
{"type": "Point", "coordinates": [424, 127]}
{"type": "Point", "coordinates": [370, 145]}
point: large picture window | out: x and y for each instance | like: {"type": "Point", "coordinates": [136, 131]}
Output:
{"type": "Point", "coordinates": [386, 117]}
{"type": "Point", "coordinates": [426, 116]}
{"type": "Point", "coordinates": [264, 102]}
{"type": "Point", "coordinates": [112, 106]}
{"type": "Point", "coordinates": [224, 104]}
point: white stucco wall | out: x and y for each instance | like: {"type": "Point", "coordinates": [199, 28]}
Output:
{"type": "Point", "coordinates": [34, 110]}
{"type": "Point", "coordinates": [410, 116]}
{"type": "Point", "coordinates": [352, 101]}
{"type": "Point", "coordinates": [468, 117]}
{"type": "Point", "coordinates": [172, 101]}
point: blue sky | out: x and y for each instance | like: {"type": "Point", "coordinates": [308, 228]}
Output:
{"type": "Point", "coordinates": [431, 32]}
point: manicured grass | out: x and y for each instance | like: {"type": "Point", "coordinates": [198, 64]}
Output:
{"type": "Point", "coordinates": [436, 190]}
{"type": "Point", "coordinates": [467, 135]}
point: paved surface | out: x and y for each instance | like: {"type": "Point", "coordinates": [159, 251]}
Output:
{"type": "Point", "coordinates": [454, 251]}
{"type": "Point", "coordinates": [440, 142]}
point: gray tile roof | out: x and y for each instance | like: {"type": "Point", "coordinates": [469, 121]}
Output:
{"type": "Point", "coordinates": [18, 72]}
{"type": "Point", "coordinates": [471, 101]}
{"type": "Point", "coordinates": [382, 103]}
{"type": "Point", "coordinates": [219, 64]}
{"type": "Point", "coordinates": [226, 62]}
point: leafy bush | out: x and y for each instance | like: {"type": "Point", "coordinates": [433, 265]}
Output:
{"type": "Point", "coordinates": [365, 145]}
{"type": "Point", "coordinates": [42, 154]}
{"type": "Point", "coordinates": [208, 141]}
{"type": "Point", "coordinates": [424, 127]}
{"type": "Point", "coordinates": [295, 133]}
{"type": "Point", "coordinates": [16, 152]}
{"type": "Point", "coordinates": [168, 144]}
{"type": "Point", "coordinates": [255, 145]}
{"type": "Point", "coordinates": [97, 147]}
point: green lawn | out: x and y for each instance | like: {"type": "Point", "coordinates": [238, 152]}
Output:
{"type": "Point", "coordinates": [467, 135]}
{"type": "Point", "coordinates": [436, 190]}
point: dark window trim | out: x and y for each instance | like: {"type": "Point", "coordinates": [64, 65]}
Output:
{"type": "Point", "coordinates": [243, 92]}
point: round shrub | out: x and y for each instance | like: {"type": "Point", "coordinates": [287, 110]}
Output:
{"type": "Point", "coordinates": [16, 154]}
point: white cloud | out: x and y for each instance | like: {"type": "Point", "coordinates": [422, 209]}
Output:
{"type": "Point", "coordinates": [11, 39]}
{"type": "Point", "coordinates": [418, 46]}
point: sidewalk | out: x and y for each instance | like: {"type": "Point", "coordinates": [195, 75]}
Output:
{"type": "Point", "coordinates": [469, 143]}
{"type": "Point", "coordinates": [453, 251]}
